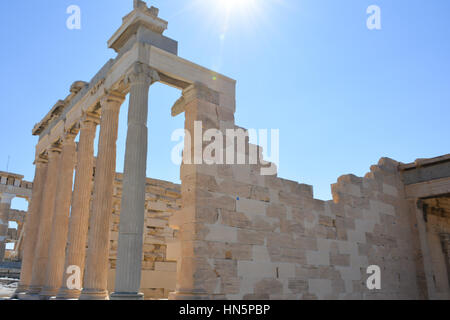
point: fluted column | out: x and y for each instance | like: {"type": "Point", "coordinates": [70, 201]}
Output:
{"type": "Point", "coordinates": [79, 218]}
{"type": "Point", "coordinates": [97, 264]}
{"type": "Point", "coordinates": [45, 224]}
{"type": "Point", "coordinates": [32, 225]}
{"type": "Point", "coordinates": [132, 213]}
{"type": "Point", "coordinates": [60, 221]}
{"type": "Point", "coordinates": [5, 206]}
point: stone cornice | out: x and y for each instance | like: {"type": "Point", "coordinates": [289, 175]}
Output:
{"type": "Point", "coordinates": [11, 175]}
{"type": "Point", "coordinates": [59, 108]}
{"type": "Point", "coordinates": [140, 16]}
{"type": "Point", "coordinates": [53, 114]}
{"type": "Point", "coordinates": [424, 162]}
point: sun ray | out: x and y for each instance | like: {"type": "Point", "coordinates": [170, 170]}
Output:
{"type": "Point", "coordinates": [237, 20]}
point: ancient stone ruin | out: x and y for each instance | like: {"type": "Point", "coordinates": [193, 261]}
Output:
{"type": "Point", "coordinates": [228, 231]}
{"type": "Point", "coordinates": [12, 186]}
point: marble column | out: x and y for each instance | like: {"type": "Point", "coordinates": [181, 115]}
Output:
{"type": "Point", "coordinates": [132, 213]}
{"type": "Point", "coordinates": [5, 206]}
{"type": "Point", "coordinates": [58, 239]}
{"type": "Point", "coordinates": [97, 261]}
{"type": "Point", "coordinates": [45, 224]}
{"type": "Point", "coordinates": [32, 225]}
{"type": "Point", "coordinates": [79, 218]}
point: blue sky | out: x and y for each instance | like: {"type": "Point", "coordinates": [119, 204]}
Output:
{"type": "Point", "coordinates": [342, 96]}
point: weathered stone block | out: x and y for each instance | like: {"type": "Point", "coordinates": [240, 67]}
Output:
{"type": "Point", "coordinates": [234, 219]}
{"type": "Point", "coordinates": [260, 194]}
{"type": "Point", "coordinates": [221, 233]}
{"type": "Point", "coordinates": [250, 269]}
{"type": "Point", "coordinates": [318, 258]}
{"type": "Point", "coordinates": [276, 211]}
{"type": "Point", "coordinates": [251, 206]}
{"type": "Point", "coordinates": [268, 286]}
{"type": "Point", "coordinates": [340, 260]}
{"type": "Point", "coordinates": [327, 221]}
{"type": "Point", "coordinates": [293, 255]}
{"type": "Point", "coordinates": [298, 285]}
{"type": "Point", "coordinates": [251, 237]}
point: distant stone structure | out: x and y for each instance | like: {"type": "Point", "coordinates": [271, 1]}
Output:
{"type": "Point", "coordinates": [227, 232]}
{"type": "Point", "coordinates": [12, 186]}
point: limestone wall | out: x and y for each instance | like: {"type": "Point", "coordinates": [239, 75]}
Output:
{"type": "Point", "coordinates": [268, 238]}
{"type": "Point", "coordinates": [159, 273]}
{"type": "Point", "coordinates": [248, 236]}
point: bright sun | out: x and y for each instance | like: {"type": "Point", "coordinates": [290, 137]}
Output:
{"type": "Point", "coordinates": [234, 16]}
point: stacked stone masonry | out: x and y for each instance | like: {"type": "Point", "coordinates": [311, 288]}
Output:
{"type": "Point", "coordinates": [262, 237]}
{"type": "Point", "coordinates": [163, 199]}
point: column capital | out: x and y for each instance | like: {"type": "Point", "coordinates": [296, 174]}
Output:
{"type": "Point", "coordinates": [68, 138]}
{"type": "Point", "coordinates": [112, 99]}
{"type": "Point", "coordinates": [41, 160]}
{"type": "Point", "coordinates": [89, 118]}
{"type": "Point", "coordinates": [141, 73]}
{"type": "Point", "coordinates": [54, 150]}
